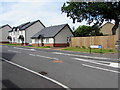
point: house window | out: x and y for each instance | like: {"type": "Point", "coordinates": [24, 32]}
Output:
{"type": "Point", "coordinates": [36, 40]}
{"type": "Point", "coordinates": [68, 39]}
{"type": "Point", "coordinates": [18, 32]}
{"type": "Point", "coordinates": [18, 40]}
{"type": "Point", "coordinates": [14, 32]}
{"type": "Point", "coordinates": [13, 39]}
{"type": "Point", "coordinates": [47, 40]}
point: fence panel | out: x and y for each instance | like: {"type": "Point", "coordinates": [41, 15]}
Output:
{"type": "Point", "coordinates": [108, 42]}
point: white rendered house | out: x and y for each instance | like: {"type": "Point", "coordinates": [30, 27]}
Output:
{"type": "Point", "coordinates": [24, 32]}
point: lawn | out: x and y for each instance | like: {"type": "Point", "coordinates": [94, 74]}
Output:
{"type": "Point", "coordinates": [92, 50]}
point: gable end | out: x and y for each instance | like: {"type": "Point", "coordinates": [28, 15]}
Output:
{"type": "Point", "coordinates": [63, 28]}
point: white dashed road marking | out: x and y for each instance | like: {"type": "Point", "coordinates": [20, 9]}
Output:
{"type": "Point", "coordinates": [100, 68]}
{"type": "Point", "coordinates": [14, 51]}
{"type": "Point", "coordinates": [24, 49]}
{"type": "Point", "coordinates": [110, 64]}
{"type": "Point", "coordinates": [81, 56]}
{"type": "Point", "coordinates": [44, 56]}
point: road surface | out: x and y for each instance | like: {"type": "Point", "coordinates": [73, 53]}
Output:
{"type": "Point", "coordinates": [63, 70]}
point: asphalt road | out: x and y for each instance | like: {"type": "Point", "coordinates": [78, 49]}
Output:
{"type": "Point", "coordinates": [72, 71]}
{"type": "Point", "coordinates": [14, 77]}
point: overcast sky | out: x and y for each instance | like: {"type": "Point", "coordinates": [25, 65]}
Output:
{"type": "Point", "coordinates": [16, 12]}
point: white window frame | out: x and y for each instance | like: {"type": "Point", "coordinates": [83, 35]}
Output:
{"type": "Point", "coordinates": [47, 40]}
{"type": "Point", "coordinates": [36, 41]}
{"type": "Point", "coordinates": [13, 39]}
{"type": "Point", "coordinates": [18, 32]}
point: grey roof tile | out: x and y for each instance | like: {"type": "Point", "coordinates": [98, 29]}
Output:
{"type": "Point", "coordinates": [49, 31]}
{"type": "Point", "coordinates": [29, 24]}
{"type": "Point", "coordinates": [25, 25]}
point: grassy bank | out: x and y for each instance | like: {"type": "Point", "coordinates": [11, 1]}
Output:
{"type": "Point", "coordinates": [92, 50]}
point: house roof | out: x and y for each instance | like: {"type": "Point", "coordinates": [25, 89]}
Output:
{"type": "Point", "coordinates": [26, 25]}
{"type": "Point", "coordinates": [5, 26]}
{"type": "Point", "coordinates": [22, 26]}
{"type": "Point", "coordinates": [49, 31]}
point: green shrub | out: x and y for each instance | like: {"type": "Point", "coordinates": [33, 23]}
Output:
{"type": "Point", "coordinates": [46, 46]}
{"type": "Point", "coordinates": [111, 50]}
{"type": "Point", "coordinates": [76, 46]}
{"type": "Point", "coordinates": [83, 47]}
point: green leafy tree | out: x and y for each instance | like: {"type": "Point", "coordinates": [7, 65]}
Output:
{"type": "Point", "coordinates": [83, 31]}
{"type": "Point", "coordinates": [96, 12]}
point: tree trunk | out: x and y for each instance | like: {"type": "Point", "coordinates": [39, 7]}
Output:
{"type": "Point", "coordinates": [115, 27]}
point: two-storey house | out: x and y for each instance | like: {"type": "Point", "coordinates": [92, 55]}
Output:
{"type": "Point", "coordinates": [24, 32]}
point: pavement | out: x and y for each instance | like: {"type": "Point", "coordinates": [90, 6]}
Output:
{"type": "Point", "coordinates": [68, 69]}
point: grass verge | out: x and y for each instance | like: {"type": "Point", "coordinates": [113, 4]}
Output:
{"type": "Point", "coordinates": [44, 47]}
{"type": "Point", "coordinates": [26, 46]}
{"type": "Point", "coordinates": [88, 50]}
{"type": "Point", "coordinates": [39, 47]}
{"type": "Point", "coordinates": [12, 44]}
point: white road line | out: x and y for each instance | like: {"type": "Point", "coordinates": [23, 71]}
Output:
{"type": "Point", "coordinates": [81, 56]}
{"type": "Point", "coordinates": [47, 57]}
{"type": "Point", "coordinates": [29, 70]}
{"type": "Point", "coordinates": [100, 68]}
{"type": "Point", "coordinates": [24, 49]}
{"type": "Point", "coordinates": [32, 54]}
{"type": "Point", "coordinates": [44, 56]}
{"type": "Point", "coordinates": [110, 64]}
{"type": "Point", "coordinates": [14, 51]}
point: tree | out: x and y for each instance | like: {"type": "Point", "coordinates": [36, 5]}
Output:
{"type": "Point", "coordinates": [96, 12]}
{"type": "Point", "coordinates": [83, 31]}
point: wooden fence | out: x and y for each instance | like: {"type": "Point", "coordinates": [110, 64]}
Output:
{"type": "Point", "coordinates": [107, 42]}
